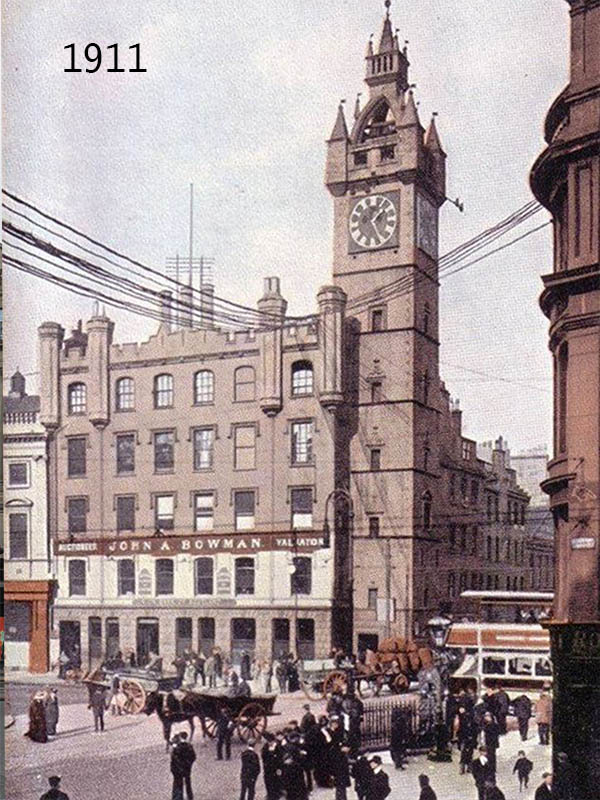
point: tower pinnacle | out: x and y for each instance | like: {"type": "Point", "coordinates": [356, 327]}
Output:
{"type": "Point", "coordinates": [387, 66]}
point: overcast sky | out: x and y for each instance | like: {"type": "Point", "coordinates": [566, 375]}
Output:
{"type": "Point", "coordinates": [239, 98]}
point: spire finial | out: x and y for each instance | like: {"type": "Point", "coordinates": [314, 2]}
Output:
{"type": "Point", "coordinates": [387, 5]}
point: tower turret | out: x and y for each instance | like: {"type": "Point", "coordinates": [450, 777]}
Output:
{"type": "Point", "coordinates": [387, 69]}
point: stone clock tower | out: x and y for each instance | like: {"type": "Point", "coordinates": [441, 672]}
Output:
{"type": "Point", "coordinates": [387, 180]}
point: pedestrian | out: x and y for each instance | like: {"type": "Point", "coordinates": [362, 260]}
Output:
{"type": "Point", "coordinates": [427, 792]}
{"type": "Point", "coordinates": [544, 790]}
{"type": "Point", "coordinates": [378, 787]}
{"type": "Point", "coordinates": [210, 672]}
{"type": "Point", "coordinates": [340, 769]}
{"type": "Point", "coordinates": [362, 774]}
{"type": "Point", "coordinates": [398, 737]}
{"type": "Point", "coordinates": [543, 716]}
{"type": "Point", "coordinates": [522, 767]}
{"type": "Point", "coordinates": [482, 772]}
{"type": "Point", "coordinates": [54, 793]}
{"type": "Point", "coordinates": [51, 711]}
{"type": "Point", "coordinates": [353, 711]}
{"type": "Point", "coordinates": [272, 759]}
{"type": "Point", "coordinates": [280, 674]}
{"type": "Point", "coordinates": [502, 703]}
{"type": "Point", "coordinates": [245, 673]}
{"type": "Point", "coordinates": [183, 756]}
{"type": "Point", "coordinates": [200, 661]}
{"type": "Point", "coordinates": [292, 778]}
{"type": "Point", "coordinates": [37, 731]}
{"type": "Point", "coordinates": [308, 719]}
{"type": "Point", "coordinates": [189, 674]}
{"type": "Point", "coordinates": [225, 726]}
{"type": "Point", "coordinates": [491, 737]}
{"type": "Point", "coordinates": [493, 792]}
{"type": "Point", "coordinates": [467, 738]}
{"type": "Point", "coordinates": [218, 665]}
{"type": "Point", "coordinates": [98, 705]}
{"type": "Point", "coordinates": [522, 711]}
{"type": "Point", "coordinates": [250, 771]}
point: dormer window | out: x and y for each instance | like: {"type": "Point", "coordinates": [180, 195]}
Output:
{"type": "Point", "coordinates": [388, 153]}
{"type": "Point", "coordinates": [361, 158]}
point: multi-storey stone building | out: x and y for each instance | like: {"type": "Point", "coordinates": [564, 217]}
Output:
{"type": "Point", "coordinates": [29, 586]}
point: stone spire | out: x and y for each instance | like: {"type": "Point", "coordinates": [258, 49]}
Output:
{"type": "Point", "coordinates": [340, 129]}
{"type": "Point", "coordinates": [432, 139]}
{"type": "Point", "coordinates": [410, 115]}
{"type": "Point", "coordinates": [386, 43]}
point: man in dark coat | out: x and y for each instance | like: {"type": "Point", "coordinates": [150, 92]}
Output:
{"type": "Point", "coordinates": [502, 702]}
{"type": "Point", "coordinates": [98, 706]}
{"type": "Point", "coordinates": [492, 792]}
{"type": "Point", "coordinates": [467, 738]}
{"type": "Point", "coordinates": [544, 790]}
{"type": "Point", "coordinates": [272, 758]}
{"type": "Point", "coordinates": [51, 711]}
{"type": "Point", "coordinates": [482, 772]}
{"type": "Point", "coordinates": [225, 728]}
{"type": "Point", "coordinates": [308, 719]}
{"type": "Point", "coordinates": [245, 666]}
{"type": "Point", "coordinates": [522, 709]}
{"type": "Point", "coordinates": [54, 793]}
{"type": "Point", "coordinates": [340, 769]}
{"type": "Point", "coordinates": [379, 785]}
{"type": "Point", "coordinates": [427, 792]}
{"type": "Point", "coordinates": [398, 737]}
{"type": "Point", "coordinates": [362, 774]}
{"type": "Point", "coordinates": [523, 767]}
{"type": "Point", "coordinates": [491, 735]}
{"type": "Point", "coordinates": [183, 756]}
{"type": "Point", "coordinates": [292, 778]}
{"type": "Point", "coordinates": [249, 772]}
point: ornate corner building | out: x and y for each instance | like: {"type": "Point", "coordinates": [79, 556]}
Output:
{"type": "Point", "coordinates": [566, 180]}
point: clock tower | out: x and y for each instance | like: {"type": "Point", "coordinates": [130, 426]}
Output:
{"type": "Point", "coordinates": [387, 179]}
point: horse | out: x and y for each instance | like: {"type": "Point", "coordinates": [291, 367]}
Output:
{"type": "Point", "coordinates": [170, 709]}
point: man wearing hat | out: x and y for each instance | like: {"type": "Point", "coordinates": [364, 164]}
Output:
{"type": "Point", "coordinates": [544, 790]}
{"type": "Point", "coordinates": [54, 793]}
{"type": "Point", "coordinates": [482, 771]}
{"type": "Point", "coordinates": [308, 719]}
{"type": "Point", "coordinates": [378, 788]}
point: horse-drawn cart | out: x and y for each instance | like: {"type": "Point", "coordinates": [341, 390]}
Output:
{"type": "Point", "coordinates": [135, 684]}
{"type": "Point", "coordinates": [249, 714]}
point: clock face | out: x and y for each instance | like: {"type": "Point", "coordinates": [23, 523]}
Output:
{"type": "Point", "coordinates": [373, 222]}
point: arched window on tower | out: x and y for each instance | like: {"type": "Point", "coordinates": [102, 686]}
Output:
{"type": "Point", "coordinates": [302, 378]}
{"type": "Point", "coordinates": [379, 122]}
{"type": "Point", "coordinates": [427, 502]}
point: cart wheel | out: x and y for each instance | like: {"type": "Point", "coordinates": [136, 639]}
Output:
{"type": "Point", "coordinates": [135, 694]}
{"type": "Point", "coordinates": [251, 722]}
{"type": "Point", "coordinates": [313, 689]}
{"type": "Point", "coordinates": [400, 684]}
{"type": "Point", "coordinates": [210, 727]}
{"type": "Point", "coordinates": [335, 682]}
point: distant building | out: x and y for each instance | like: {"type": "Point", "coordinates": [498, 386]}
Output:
{"type": "Point", "coordinates": [29, 586]}
{"type": "Point", "coordinates": [531, 467]}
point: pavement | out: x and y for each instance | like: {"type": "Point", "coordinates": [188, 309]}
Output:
{"type": "Point", "coordinates": [129, 761]}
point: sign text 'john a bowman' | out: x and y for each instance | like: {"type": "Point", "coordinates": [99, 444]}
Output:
{"type": "Point", "coordinates": [172, 545]}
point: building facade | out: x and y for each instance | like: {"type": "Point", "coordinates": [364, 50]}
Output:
{"type": "Point", "coordinates": [29, 585]}
{"type": "Point", "coordinates": [566, 180]}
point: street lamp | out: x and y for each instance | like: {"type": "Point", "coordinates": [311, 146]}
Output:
{"type": "Point", "coordinates": [438, 629]}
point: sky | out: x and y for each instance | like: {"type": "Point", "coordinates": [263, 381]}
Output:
{"type": "Point", "coordinates": [239, 99]}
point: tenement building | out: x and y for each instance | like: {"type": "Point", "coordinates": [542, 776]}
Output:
{"type": "Point", "coordinates": [29, 586]}
{"type": "Point", "coordinates": [566, 180]}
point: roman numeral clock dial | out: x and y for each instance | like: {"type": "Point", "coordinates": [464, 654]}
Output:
{"type": "Point", "coordinates": [373, 222]}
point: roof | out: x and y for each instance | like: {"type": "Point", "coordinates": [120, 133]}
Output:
{"type": "Point", "coordinates": [14, 405]}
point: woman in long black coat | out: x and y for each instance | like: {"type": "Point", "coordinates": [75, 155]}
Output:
{"type": "Point", "coordinates": [37, 719]}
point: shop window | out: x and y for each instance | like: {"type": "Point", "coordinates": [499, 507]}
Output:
{"type": "Point", "coordinates": [204, 444]}
{"type": "Point", "coordinates": [244, 384]}
{"type": "Point", "coordinates": [126, 576]}
{"type": "Point", "coordinates": [206, 635]}
{"type": "Point", "coordinates": [244, 576]}
{"type": "Point", "coordinates": [204, 511]}
{"type": "Point", "coordinates": [302, 508]}
{"type": "Point", "coordinates": [183, 635]}
{"type": "Point", "coordinates": [302, 378]}
{"type": "Point", "coordinates": [204, 387]}
{"type": "Point", "coordinates": [243, 637]}
{"type": "Point", "coordinates": [125, 447]}
{"type": "Point", "coordinates": [125, 394]}
{"type": "Point", "coordinates": [280, 637]}
{"type": "Point", "coordinates": [77, 402]}
{"type": "Point", "coordinates": [245, 447]}
{"type": "Point", "coordinates": [165, 576]}
{"type": "Point", "coordinates": [302, 440]}
{"type": "Point", "coordinates": [301, 578]}
{"type": "Point", "coordinates": [17, 536]}
{"type": "Point", "coordinates": [164, 512]}
{"type": "Point", "coordinates": [163, 391]}
{"type": "Point", "coordinates": [125, 513]}
{"type": "Point", "coordinates": [164, 451]}
{"type": "Point", "coordinates": [305, 639]}
{"type": "Point", "coordinates": [204, 582]}
{"type": "Point", "coordinates": [244, 509]}
{"type": "Point", "coordinates": [77, 570]}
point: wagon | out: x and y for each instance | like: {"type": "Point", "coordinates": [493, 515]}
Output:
{"type": "Point", "coordinates": [135, 684]}
{"type": "Point", "coordinates": [248, 713]}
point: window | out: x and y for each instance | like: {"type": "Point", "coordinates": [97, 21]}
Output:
{"type": "Point", "coordinates": [204, 442]}
{"type": "Point", "coordinates": [451, 584]}
{"type": "Point", "coordinates": [244, 447]}
{"type": "Point", "coordinates": [124, 394]}
{"type": "Point", "coordinates": [244, 503]}
{"type": "Point", "coordinates": [76, 577]}
{"type": "Point", "coordinates": [515, 513]}
{"type": "Point", "coordinates": [204, 387]}
{"type": "Point", "coordinates": [372, 599]}
{"type": "Point", "coordinates": [489, 507]}
{"type": "Point", "coordinates": [301, 578]}
{"type": "Point", "coordinates": [377, 319]}
{"type": "Point", "coordinates": [164, 505]}
{"type": "Point", "coordinates": [302, 433]}
{"type": "Point", "coordinates": [376, 391]}
{"type": "Point", "coordinates": [302, 508]}
{"type": "Point", "coordinates": [427, 511]}
{"type": "Point", "coordinates": [360, 158]}
{"type": "Point", "coordinates": [17, 535]}
{"type": "Point", "coordinates": [562, 371]}
{"type": "Point", "coordinates": [164, 451]}
{"type": "Point", "coordinates": [76, 452]}
{"type": "Point", "coordinates": [522, 515]}
{"type": "Point", "coordinates": [494, 665]}
{"type": "Point", "coordinates": [125, 576]}
{"type": "Point", "coordinates": [17, 475]}
{"type": "Point", "coordinates": [305, 638]}
{"type": "Point", "coordinates": [463, 538]}
{"type": "Point", "coordinates": [474, 492]}
{"type": "Point", "coordinates": [164, 576]}
{"type": "Point", "coordinates": [452, 490]}
{"type": "Point", "coordinates": [496, 509]}
{"type": "Point", "coordinates": [163, 391]}
{"type": "Point", "coordinates": [125, 513]}
{"type": "Point", "coordinates": [206, 635]}
{"type": "Point", "coordinates": [373, 527]}
{"type": "Point", "coordinates": [125, 453]}
{"type": "Point", "coordinates": [489, 548]}
{"type": "Point", "coordinates": [497, 548]}
{"type": "Point", "coordinates": [302, 378]}
{"type": "Point", "coordinates": [77, 514]}
{"type": "Point", "coordinates": [466, 450]}
{"type": "Point", "coordinates": [244, 384]}
{"type": "Point", "coordinates": [76, 394]}
{"type": "Point", "coordinates": [244, 576]}
{"type": "Point", "coordinates": [204, 511]}
{"type": "Point", "coordinates": [388, 152]}
{"type": "Point", "coordinates": [204, 576]}
{"type": "Point", "coordinates": [375, 459]}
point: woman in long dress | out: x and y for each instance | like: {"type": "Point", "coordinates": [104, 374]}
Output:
{"type": "Point", "coordinates": [37, 718]}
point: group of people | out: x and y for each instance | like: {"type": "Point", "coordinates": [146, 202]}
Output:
{"type": "Point", "coordinates": [43, 715]}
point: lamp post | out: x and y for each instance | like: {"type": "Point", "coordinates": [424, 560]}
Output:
{"type": "Point", "coordinates": [439, 629]}
{"type": "Point", "coordinates": [343, 578]}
